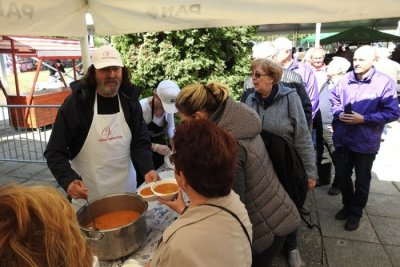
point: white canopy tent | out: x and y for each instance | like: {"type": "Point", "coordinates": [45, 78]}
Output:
{"type": "Point", "coordinates": [67, 17]}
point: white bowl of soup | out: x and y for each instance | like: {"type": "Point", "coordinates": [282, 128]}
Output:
{"type": "Point", "coordinates": [166, 189]}
{"type": "Point", "coordinates": [146, 193]}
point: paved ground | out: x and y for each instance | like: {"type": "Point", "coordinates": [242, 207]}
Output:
{"type": "Point", "coordinates": [376, 243]}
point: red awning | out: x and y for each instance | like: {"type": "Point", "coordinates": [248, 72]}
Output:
{"type": "Point", "coordinates": [42, 48]}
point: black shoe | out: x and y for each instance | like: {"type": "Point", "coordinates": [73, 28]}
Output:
{"type": "Point", "coordinates": [333, 191]}
{"type": "Point", "coordinates": [352, 223]}
{"type": "Point", "coordinates": [343, 214]}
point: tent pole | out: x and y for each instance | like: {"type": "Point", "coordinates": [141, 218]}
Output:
{"type": "Point", "coordinates": [3, 75]}
{"type": "Point", "coordinates": [317, 35]}
{"type": "Point", "coordinates": [85, 52]}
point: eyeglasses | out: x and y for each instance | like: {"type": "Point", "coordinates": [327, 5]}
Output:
{"type": "Point", "coordinates": [257, 75]}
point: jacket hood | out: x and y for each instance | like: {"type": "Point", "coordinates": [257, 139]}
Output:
{"type": "Point", "coordinates": [82, 89]}
{"type": "Point", "coordinates": [240, 120]}
{"type": "Point", "coordinates": [283, 91]}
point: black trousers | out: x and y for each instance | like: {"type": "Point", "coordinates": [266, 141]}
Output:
{"type": "Point", "coordinates": [264, 259]}
{"type": "Point", "coordinates": [354, 197]}
{"type": "Point", "coordinates": [328, 158]}
{"type": "Point", "coordinates": [317, 136]}
{"type": "Point", "coordinates": [291, 241]}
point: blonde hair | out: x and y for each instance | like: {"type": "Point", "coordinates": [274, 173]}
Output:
{"type": "Point", "coordinates": [38, 228]}
{"type": "Point", "coordinates": [270, 67]}
{"type": "Point", "coordinates": [201, 97]}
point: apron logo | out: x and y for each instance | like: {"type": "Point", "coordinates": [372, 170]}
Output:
{"type": "Point", "coordinates": [106, 133]}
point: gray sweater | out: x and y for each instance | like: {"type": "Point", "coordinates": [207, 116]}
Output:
{"type": "Point", "coordinates": [271, 211]}
{"type": "Point", "coordinates": [285, 117]}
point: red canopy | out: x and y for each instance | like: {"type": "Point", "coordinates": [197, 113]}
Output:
{"type": "Point", "coordinates": [41, 48]}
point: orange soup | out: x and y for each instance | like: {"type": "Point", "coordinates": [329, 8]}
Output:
{"type": "Point", "coordinates": [166, 188]}
{"type": "Point", "coordinates": [114, 219]}
{"type": "Point", "coordinates": [146, 191]}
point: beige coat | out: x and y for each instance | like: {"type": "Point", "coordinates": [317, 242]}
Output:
{"type": "Point", "coordinates": [207, 236]}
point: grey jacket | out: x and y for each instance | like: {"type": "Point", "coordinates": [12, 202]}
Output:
{"type": "Point", "coordinates": [285, 117]}
{"type": "Point", "coordinates": [270, 209]}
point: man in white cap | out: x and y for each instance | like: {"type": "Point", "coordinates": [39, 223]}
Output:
{"type": "Point", "coordinates": [98, 133]}
{"type": "Point", "coordinates": [335, 70]}
{"type": "Point", "coordinates": [158, 114]}
{"type": "Point", "coordinates": [285, 58]}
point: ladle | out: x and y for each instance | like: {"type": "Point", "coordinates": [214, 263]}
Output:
{"type": "Point", "coordinates": [91, 216]}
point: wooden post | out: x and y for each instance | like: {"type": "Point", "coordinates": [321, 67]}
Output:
{"type": "Point", "coordinates": [14, 67]}
{"type": "Point", "coordinates": [38, 67]}
{"type": "Point", "coordinates": [3, 89]}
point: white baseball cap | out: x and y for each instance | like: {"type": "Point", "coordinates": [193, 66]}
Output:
{"type": "Point", "coordinates": [106, 56]}
{"type": "Point", "coordinates": [167, 91]}
{"type": "Point", "coordinates": [263, 50]}
{"type": "Point", "coordinates": [283, 43]}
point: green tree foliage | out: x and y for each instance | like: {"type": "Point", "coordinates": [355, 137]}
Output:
{"type": "Point", "coordinates": [187, 56]}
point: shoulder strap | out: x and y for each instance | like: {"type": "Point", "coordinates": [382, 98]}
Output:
{"type": "Point", "coordinates": [324, 85]}
{"type": "Point", "coordinates": [152, 108]}
{"type": "Point", "coordinates": [234, 216]}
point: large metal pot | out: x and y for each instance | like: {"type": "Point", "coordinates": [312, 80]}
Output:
{"type": "Point", "coordinates": [117, 242]}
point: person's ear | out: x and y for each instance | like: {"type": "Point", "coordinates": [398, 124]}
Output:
{"type": "Point", "coordinates": [180, 178]}
{"type": "Point", "coordinates": [200, 115]}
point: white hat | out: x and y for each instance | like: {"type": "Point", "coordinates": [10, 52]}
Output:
{"type": "Point", "coordinates": [263, 50]}
{"type": "Point", "coordinates": [283, 43]}
{"type": "Point", "coordinates": [106, 56]}
{"type": "Point", "coordinates": [338, 65]}
{"type": "Point", "coordinates": [167, 91]}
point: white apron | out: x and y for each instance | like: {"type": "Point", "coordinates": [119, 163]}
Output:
{"type": "Point", "coordinates": [104, 162]}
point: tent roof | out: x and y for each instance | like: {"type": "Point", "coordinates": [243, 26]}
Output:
{"type": "Point", "coordinates": [360, 35]}
{"type": "Point", "coordinates": [67, 17]}
{"type": "Point", "coordinates": [378, 24]}
{"type": "Point", "coordinates": [42, 48]}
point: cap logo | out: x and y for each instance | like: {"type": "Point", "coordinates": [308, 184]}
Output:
{"type": "Point", "coordinates": [173, 100]}
{"type": "Point", "coordinates": [107, 55]}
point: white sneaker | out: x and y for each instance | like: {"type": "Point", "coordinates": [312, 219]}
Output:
{"type": "Point", "coordinates": [294, 258]}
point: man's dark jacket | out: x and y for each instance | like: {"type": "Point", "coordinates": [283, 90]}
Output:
{"type": "Point", "coordinates": [72, 126]}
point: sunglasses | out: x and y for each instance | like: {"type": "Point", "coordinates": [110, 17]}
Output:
{"type": "Point", "coordinates": [257, 75]}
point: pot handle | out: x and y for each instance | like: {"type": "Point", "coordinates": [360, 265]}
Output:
{"type": "Point", "coordinates": [94, 235]}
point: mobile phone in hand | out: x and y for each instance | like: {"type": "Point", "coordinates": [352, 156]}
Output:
{"type": "Point", "coordinates": [348, 109]}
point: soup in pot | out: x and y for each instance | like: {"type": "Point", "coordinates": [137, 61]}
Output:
{"type": "Point", "coordinates": [114, 219]}
{"type": "Point", "coordinates": [167, 188]}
